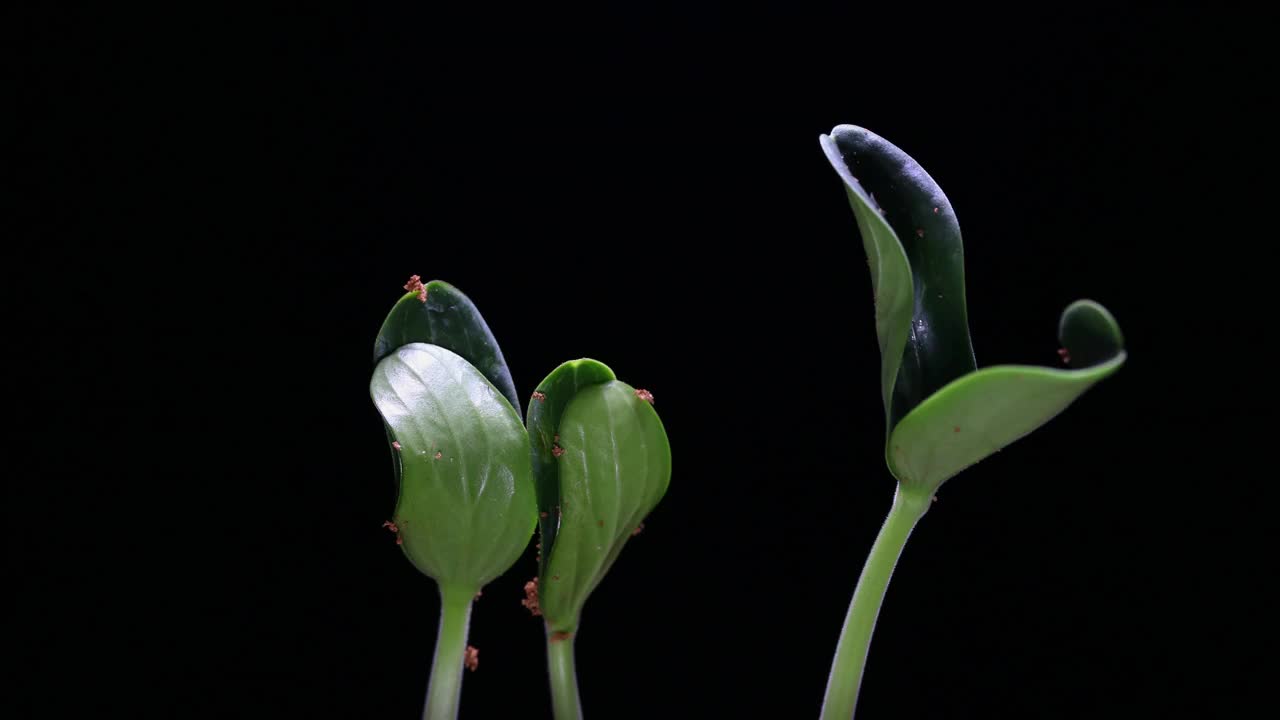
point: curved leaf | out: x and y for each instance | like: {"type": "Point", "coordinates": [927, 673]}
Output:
{"type": "Point", "coordinates": [546, 406]}
{"type": "Point", "coordinates": [450, 320]}
{"type": "Point", "coordinates": [984, 411]}
{"type": "Point", "coordinates": [615, 467]}
{"type": "Point", "coordinates": [912, 241]}
{"type": "Point", "coordinates": [466, 505]}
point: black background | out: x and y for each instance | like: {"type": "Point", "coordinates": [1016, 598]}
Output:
{"type": "Point", "coordinates": [216, 210]}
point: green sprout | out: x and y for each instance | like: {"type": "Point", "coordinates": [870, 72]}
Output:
{"type": "Point", "coordinates": [942, 413]}
{"type": "Point", "coordinates": [602, 463]}
{"type": "Point", "coordinates": [467, 506]}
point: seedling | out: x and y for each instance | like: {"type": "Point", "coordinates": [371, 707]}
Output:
{"type": "Point", "coordinates": [602, 463]}
{"type": "Point", "coordinates": [466, 506]}
{"type": "Point", "coordinates": [942, 413]}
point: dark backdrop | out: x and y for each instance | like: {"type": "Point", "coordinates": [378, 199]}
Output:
{"type": "Point", "coordinates": [219, 209]}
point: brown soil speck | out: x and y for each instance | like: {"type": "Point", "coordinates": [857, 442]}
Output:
{"type": "Point", "coordinates": [599, 523]}
{"type": "Point", "coordinates": [391, 525]}
{"type": "Point", "coordinates": [1066, 356]}
{"type": "Point", "coordinates": [478, 594]}
{"type": "Point", "coordinates": [531, 597]}
{"type": "Point", "coordinates": [919, 232]}
{"type": "Point", "coordinates": [557, 450]}
{"type": "Point", "coordinates": [472, 658]}
{"type": "Point", "coordinates": [558, 636]}
{"type": "Point", "coordinates": [935, 211]}
{"type": "Point", "coordinates": [935, 498]}
{"type": "Point", "coordinates": [542, 514]}
{"type": "Point", "coordinates": [955, 429]}
{"type": "Point", "coordinates": [415, 285]}
{"type": "Point", "coordinates": [644, 395]}
{"type": "Point", "coordinates": [439, 455]}
{"type": "Point", "coordinates": [555, 577]}
{"type": "Point", "coordinates": [395, 444]}
{"type": "Point", "coordinates": [539, 396]}
{"type": "Point", "coordinates": [639, 529]}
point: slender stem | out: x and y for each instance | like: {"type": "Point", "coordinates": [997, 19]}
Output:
{"type": "Point", "coordinates": [855, 638]}
{"type": "Point", "coordinates": [565, 703]}
{"type": "Point", "coordinates": [445, 688]}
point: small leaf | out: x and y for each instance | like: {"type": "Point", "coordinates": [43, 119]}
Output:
{"type": "Point", "coordinates": [546, 406]}
{"type": "Point", "coordinates": [466, 505]}
{"type": "Point", "coordinates": [450, 320]}
{"type": "Point", "coordinates": [984, 411]}
{"type": "Point", "coordinates": [615, 467]}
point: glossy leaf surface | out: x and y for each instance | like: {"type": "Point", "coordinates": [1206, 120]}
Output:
{"type": "Point", "coordinates": [615, 467]}
{"type": "Point", "coordinates": [450, 320]}
{"type": "Point", "coordinates": [942, 414]}
{"type": "Point", "coordinates": [466, 507]}
{"type": "Point", "coordinates": [546, 407]}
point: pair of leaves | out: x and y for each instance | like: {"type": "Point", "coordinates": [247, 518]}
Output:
{"type": "Point", "coordinates": [602, 462]}
{"type": "Point", "coordinates": [466, 504]}
{"type": "Point", "coordinates": [942, 413]}
{"type": "Point", "coordinates": [467, 469]}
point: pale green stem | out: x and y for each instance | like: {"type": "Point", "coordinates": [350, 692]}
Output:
{"type": "Point", "coordinates": [855, 638]}
{"type": "Point", "coordinates": [565, 703]}
{"type": "Point", "coordinates": [445, 687]}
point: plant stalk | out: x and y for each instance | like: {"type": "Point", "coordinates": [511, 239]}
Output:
{"type": "Point", "coordinates": [445, 688]}
{"type": "Point", "coordinates": [860, 622]}
{"type": "Point", "coordinates": [565, 703]}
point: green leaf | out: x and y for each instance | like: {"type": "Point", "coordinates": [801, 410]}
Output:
{"type": "Point", "coordinates": [912, 242]}
{"type": "Point", "coordinates": [984, 411]}
{"type": "Point", "coordinates": [449, 319]}
{"type": "Point", "coordinates": [546, 407]}
{"type": "Point", "coordinates": [942, 414]}
{"type": "Point", "coordinates": [466, 506]}
{"type": "Point", "coordinates": [615, 467]}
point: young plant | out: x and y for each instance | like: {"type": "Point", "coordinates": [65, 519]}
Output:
{"type": "Point", "coordinates": [602, 462]}
{"type": "Point", "coordinates": [942, 413]}
{"type": "Point", "coordinates": [466, 506]}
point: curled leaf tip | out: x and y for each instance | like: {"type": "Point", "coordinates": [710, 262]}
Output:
{"type": "Point", "coordinates": [1089, 334]}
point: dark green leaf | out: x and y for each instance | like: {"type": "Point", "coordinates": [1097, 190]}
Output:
{"type": "Point", "coordinates": [912, 241]}
{"type": "Point", "coordinates": [466, 506]}
{"type": "Point", "coordinates": [450, 320]}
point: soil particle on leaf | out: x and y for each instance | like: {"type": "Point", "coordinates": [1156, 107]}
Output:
{"type": "Point", "coordinates": [542, 514]}
{"type": "Point", "coordinates": [599, 523]}
{"type": "Point", "coordinates": [955, 429]}
{"type": "Point", "coordinates": [539, 396]}
{"type": "Point", "coordinates": [558, 636]}
{"type": "Point", "coordinates": [479, 593]}
{"type": "Point", "coordinates": [639, 529]}
{"type": "Point", "coordinates": [415, 286]}
{"type": "Point", "coordinates": [556, 450]}
{"type": "Point", "coordinates": [439, 455]}
{"type": "Point", "coordinates": [1066, 356]}
{"type": "Point", "coordinates": [391, 525]}
{"type": "Point", "coordinates": [472, 658]}
{"type": "Point", "coordinates": [395, 444]}
{"type": "Point", "coordinates": [919, 232]}
{"type": "Point", "coordinates": [530, 600]}
{"type": "Point", "coordinates": [644, 395]}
